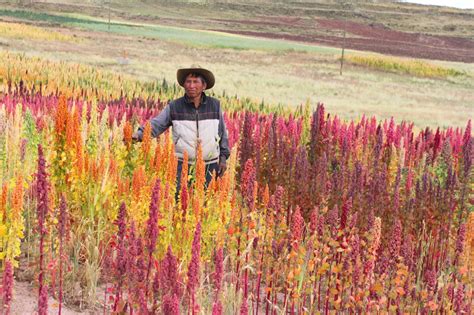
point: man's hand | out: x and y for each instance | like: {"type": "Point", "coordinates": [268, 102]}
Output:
{"type": "Point", "coordinates": [222, 166]}
{"type": "Point", "coordinates": [131, 140]}
{"type": "Point", "coordinates": [135, 137]}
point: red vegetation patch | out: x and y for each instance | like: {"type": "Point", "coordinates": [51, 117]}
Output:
{"type": "Point", "coordinates": [377, 38]}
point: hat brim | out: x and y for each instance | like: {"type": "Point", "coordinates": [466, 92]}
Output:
{"type": "Point", "coordinates": [208, 76]}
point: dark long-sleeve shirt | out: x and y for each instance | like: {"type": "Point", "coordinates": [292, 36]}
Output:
{"type": "Point", "coordinates": [205, 123]}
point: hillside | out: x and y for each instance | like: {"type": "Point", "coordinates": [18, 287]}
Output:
{"type": "Point", "coordinates": [387, 27]}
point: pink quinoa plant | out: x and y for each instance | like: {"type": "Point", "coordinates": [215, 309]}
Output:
{"type": "Point", "coordinates": [217, 275]}
{"type": "Point", "coordinates": [194, 268]}
{"type": "Point", "coordinates": [460, 240]}
{"type": "Point", "coordinates": [313, 220]}
{"type": "Point", "coordinates": [297, 226]}
{"type": "Point", "coordinates": [63, 221]}
{"type": "Point", "coordinates": [7, 287]}
{"type": "Point", "coordinates": [219, 269]}
{"type": "Point", "coordinates": [170, 305]}
{"type": "Point", "coordinates": [217, 308]}
{"type": "Point", "coordinates": [395, 241]}
{"type": "Point", "coordinates": [42, 187]}
{"type": "Point", "coordinates": [244, 309]}
{"type": "Point", "coordinates": [248, 183]}
{"type": "Point", "coordinates": [153, 227]}
{"type": "Point", "coordinates": [121, 255]}
{"type": "Point", "coordinates": [169, 277]}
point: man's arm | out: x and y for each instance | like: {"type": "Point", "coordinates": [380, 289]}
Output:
{"type": "Point", "coordinates": [159, 124]}
{"type": "Point", "coordinates": [224, 138]}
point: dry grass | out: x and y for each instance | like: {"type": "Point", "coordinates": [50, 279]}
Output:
{"type": "Point", "coordinates": [413, 67]}
{"type": "Point", "coordinates": [29, 32]}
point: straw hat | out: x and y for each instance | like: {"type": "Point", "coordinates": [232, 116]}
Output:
{"type": "Point", "coordinates": [208, 76]}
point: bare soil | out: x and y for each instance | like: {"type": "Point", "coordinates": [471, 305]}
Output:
{"type": "Point", "coordinates": [25, 301]}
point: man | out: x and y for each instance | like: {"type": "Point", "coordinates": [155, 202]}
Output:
{"type": "Point", "coordinates": [194, 117]}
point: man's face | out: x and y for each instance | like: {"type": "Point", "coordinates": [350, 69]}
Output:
{"type": "Point", "coordinates": [193, 86]}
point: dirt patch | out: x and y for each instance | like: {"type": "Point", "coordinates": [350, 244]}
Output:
{"type": "Point", "coordinates": [25, 301]}
{"type": "Point", "coordinates": [376, 38]}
